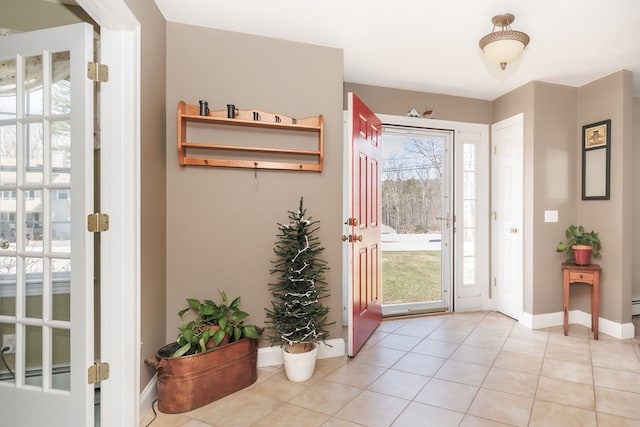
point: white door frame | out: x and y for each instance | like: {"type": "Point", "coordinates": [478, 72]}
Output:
{"type": "Point", "coordinates": [120, 198]}
{"type": "Point", "coordinates": [480, 133]}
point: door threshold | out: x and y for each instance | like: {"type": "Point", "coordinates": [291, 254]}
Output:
{"type": "Point", "coordinates": [416, 312]}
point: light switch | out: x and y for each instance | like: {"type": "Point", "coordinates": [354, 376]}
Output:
{"type": "Point", "coordinates": [550, 216]}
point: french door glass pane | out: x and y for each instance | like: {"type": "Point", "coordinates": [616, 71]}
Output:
{"type": "Point", "coordinates": [33, 102]}
{"type": "Point", "coordinates": [7, 371]}
{"type": "Point", "coordinates": [60, 84]}
{"type": "Point", "coordinates": [33, 355]}
{"type": "Point", "coordinates": [60, 152]}
{"type": "Point", "coordinates": [61, 351]}
{"type": "Point", "coordinates": [8, 104]}
{"type": "Point", "coordinates": [8, 154]}
{"type": "Point", "coordinates": [34, 153]}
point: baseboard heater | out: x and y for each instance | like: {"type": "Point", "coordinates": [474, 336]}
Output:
{"type": "Point", "coordinates": [635, 307]}
{"type": "Point", "coordinates": [36, 372]}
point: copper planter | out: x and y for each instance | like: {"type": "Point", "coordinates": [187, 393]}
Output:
{"type": "Point", "coordinates": [189, 382]}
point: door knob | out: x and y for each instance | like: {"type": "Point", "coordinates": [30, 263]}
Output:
{"type": "Point", "coordinates": [4, 244]}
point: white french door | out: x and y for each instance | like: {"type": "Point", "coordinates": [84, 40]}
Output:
{"type": "Point", "coordinates": [46, 253]}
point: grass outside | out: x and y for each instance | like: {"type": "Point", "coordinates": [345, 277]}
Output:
{"type": "Point", "coordinates": [410, 276]}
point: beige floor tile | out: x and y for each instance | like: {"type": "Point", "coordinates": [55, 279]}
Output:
{"type": "Point", "coordinates": [326, 397]}
{"type": "Point", "coordinates": [608, 420]}
{"type": "Point", "coordinates": [279, 387]}
{"type": "Point", "coordinates": [578, 342]}
{"type": "Point", "coordinates": [518, 344]}
{"type": "Point", "coordinates": [420, 364]}
{"type": "Point", "coordinates": [519, 362]}
{"type": "Point", "coordinates": [619, 380]}
{"type": "Point", "coordinates": [513, 382]}
{"type": "Point", "coordinates": [399, 342]}
{"type": "Point", "coordinates": [472, 316]}
{"type": "Point", "coordinates": [534, 335]}
{"type": "Point", "coordinates": [291, 416]}
{"type": "Point", "coordinates": [617, 402]}
{"type": "Point", "coordinates": [360, 375]}
{"type": "Point", "coordinates": [457, 323]}
{"type": "Point", "coordinates": [373, 409]}
{"type": "Point", "coordinates": [195, 423]}
{"type": "Point", "coordinates": [337, 422]}
{"type": "Point", "coordinates": [165, 420]}
{"type": "Point", "coordinates": [490, 328]}
{"type": "Point", "coordinates": [449, 335]}
{"type": "Point", "coordinates": [626, 362]}
{"type": "Point", "coordinates": [435, 348]}
{"type": "Point", "coordinates": [502, 407]}
{"type": "Point", "coordinates": [611, 346]}
{"type": "Point", "coordinates": [415, 329]}
{"type": "Point", "coordinates": [376, 336]}
{"type": "Point", "coordinates": [575, 330]}
{"type": "Point", "coordinates": [378, 356]}
{"type": "Point", "coordinates": [478, 338]}
{"type": "Point", "coordinates": [568, 354]}
{"type": "Point", "coordinates": [566, 393]}
{"type": "Point", "coordinates": [232, 410]}
{"type": "Point", "coordinates": [499, 319]}
{"type": "Point", "coordinates": [462, 372]}
{"type": "Point", "coordinates": [576, 372]}
{"type": "Point", "coordinates": [471, 421]}
{"type": "Point", "coordinates": [417, 414]}
{"type": "Point", "coordinates": [400, 384]}
{"type": "Point", "coordinates": [548, 414]}
{"type": "Point", "coordinates": [479, 355]}
{"type": "Point", "coordinates": [391, 325]}
{"type": "Point", "coordinates": [446, 394]}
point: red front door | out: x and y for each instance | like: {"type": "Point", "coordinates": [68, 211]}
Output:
{"type": "Point", "coordinates": [366, 309]}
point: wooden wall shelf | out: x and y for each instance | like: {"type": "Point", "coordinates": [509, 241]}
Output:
{"type": "Point", "coordinates": [190, 153]}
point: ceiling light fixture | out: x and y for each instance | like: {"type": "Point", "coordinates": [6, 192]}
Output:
{"type": "Point", "coordinates": [504, 46]}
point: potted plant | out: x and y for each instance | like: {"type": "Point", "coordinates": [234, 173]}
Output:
{"type": "Point", "coordinates": [214, 355]}
{"type": "Point", "coordinates": [297, 319]}
{"type": "Point", "coordinates": [214, 324]}
{"type": "Point", "coordinates": [580, 245]}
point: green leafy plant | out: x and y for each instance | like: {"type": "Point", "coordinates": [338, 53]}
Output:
{"type": "Point", "coordinates": [577, 235]}
{"type": "Point", "coordinates": [212, 324]}
{"type": "Point", "coordinates": [297, 314]}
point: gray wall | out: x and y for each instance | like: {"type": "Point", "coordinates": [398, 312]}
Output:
{"type": "Point", "coordinates": [221, 222]}
{"type": "Point", "coordinates": [399, 102]}
{"type": "Point", "coordinates": [636, 199]}
{"type": "Point", "coordinates": [611, 98]}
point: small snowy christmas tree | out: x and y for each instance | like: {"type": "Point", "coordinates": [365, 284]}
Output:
{"type": "Point", "coordinates": [297, 314]}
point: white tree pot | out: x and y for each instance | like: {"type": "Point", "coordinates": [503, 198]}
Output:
{"type": "Point", "coordinates": [300, 366]}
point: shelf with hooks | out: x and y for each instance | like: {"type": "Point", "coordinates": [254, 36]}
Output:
{"type": "Point", "coordinates": [258, 156]}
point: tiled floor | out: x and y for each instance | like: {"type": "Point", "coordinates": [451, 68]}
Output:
{"type": "Point", "coordinates": [475, 369]}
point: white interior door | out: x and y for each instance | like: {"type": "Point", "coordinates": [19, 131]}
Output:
{"type": "Point", "coordinates": [46, 255]}
{"type": "Point", "coordinates": [507, 215]}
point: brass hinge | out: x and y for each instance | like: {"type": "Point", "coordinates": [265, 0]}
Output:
{"type": "Point", "coordinates": [97, 222]}
{"type": "Point", "coordinates": [97, 372]}
{"type": "Point", "coordinates": [98, 72]}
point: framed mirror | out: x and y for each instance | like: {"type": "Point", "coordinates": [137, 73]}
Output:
{"type": "Point", "coordinates": [596, 146]}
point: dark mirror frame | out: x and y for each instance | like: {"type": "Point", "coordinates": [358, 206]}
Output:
{"type": "Point", "coordinates": [596, 160]}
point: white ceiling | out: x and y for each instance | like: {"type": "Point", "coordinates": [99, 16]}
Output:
{"type": "Point", "coordinates": [432, 46]}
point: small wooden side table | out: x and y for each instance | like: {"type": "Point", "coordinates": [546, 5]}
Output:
{"type": "Point", "coordinates": [590, 275]}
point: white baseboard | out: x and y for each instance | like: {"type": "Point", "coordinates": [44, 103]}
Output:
{"type": "Point", "coordinates": [549, 320]}
{"type": "Point", "coordinates": [147, 397]}
{"type": "Point", "coordinates": [270, 356]}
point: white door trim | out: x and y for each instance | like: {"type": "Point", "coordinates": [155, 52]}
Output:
{"type": "Point", "coordinates": [120, 198]}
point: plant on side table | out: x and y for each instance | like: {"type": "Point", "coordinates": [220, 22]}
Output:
{"type": "Point", "coordinates": [297, 319]}
{"type": "Point", "coordinates": [214, 355]}
{"type": "Point", "coordinates": [580, 245]}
